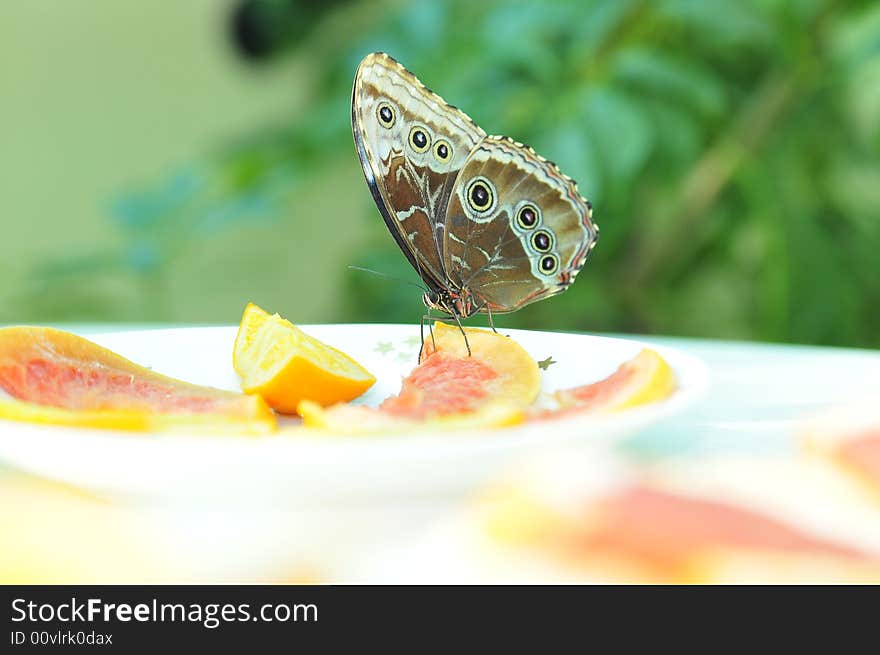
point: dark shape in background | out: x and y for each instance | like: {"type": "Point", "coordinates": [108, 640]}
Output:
{"type": "Point", "coordinates": [262, 29]}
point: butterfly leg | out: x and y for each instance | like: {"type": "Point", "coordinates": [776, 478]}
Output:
{"type": "Point", "coordinates": [427, 317]}
{"type": "Point", "coordinates": [491, 322]}
{"type": "Point", "coordinates": [431, 330]}
{"type": "Point", "coordinates": [463, 334]}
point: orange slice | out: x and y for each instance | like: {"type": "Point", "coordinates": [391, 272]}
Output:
{"type": "Point", "coordinates": [448, 388]}
{"type": "Point", "coordinates": [59, 378]}
{"type": "Point", "coordinates": [285, 366]}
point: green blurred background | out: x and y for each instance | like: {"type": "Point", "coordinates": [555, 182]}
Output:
{"type": "Point", "coordinates": [170, 161]}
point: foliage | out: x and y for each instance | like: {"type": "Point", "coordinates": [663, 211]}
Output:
{"type": "Point", "coordinates": [730, 150]}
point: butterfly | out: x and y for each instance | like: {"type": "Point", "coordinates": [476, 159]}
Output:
{"type": "Point", "coordinates": [488, 224]}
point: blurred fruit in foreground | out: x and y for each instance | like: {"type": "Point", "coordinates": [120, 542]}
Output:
{"type": "Point", "coordinates": [716, 520]}
{"type": "Point", "coordinates": [285, 366]}
{"type": "Point", "coordinates": [850, 438]}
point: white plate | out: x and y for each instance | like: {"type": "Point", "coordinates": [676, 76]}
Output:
{"type": "Point", "coordinates": [307, 471]}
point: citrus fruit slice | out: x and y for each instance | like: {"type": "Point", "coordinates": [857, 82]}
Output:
{"type": "Point", "coordinates": [138, 420]}
{"type": "Point", "coordinates": [643, 379]}
{"type": "Point", "coordinates": [285, 366]}
{"type": "Point", "coordinates": [677, 535]}
{"type": "Point", "coordinates": [490, 388]}
{"type": "Point", "coordinates": [658, 536]}
{"type": "Point", "coordinates": [58, 377]}
{"type": "Point", "coordinates": [849, 437]}
{"type": "Point", "coordinates": [498, 370]}
{"type": "Point", "coordinates": [603, 521]}
{"type": "Point", "coordinates": [861, 454]}
{"type": "Point", "coordinates": [359, 419]}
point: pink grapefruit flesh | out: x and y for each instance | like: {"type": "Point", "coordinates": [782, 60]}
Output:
{"type": "Point", "coordinates": [59, 370]}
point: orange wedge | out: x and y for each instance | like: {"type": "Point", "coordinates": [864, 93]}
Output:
{"type": "Point", "coordinates": [285, 366]}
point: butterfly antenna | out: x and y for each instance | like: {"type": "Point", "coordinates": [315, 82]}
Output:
{"type": "Point", "coordinates": [389, 277]}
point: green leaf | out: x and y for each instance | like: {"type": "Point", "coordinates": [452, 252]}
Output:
{"type": "Point", "coordinates": [727, 24]}
{"type": "Point", "coordinates": [676, 134]}
{"type": "Point", "coordinates": [620, 130]}
{"type": "Point", "coordinates": [570, 147]}
{"type": "Point", "coordinates": [677, 78]}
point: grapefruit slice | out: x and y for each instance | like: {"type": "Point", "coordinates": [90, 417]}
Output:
{"type": "Point", "coordinates": [849, 437]}
{"type": "Point", "coordinates": [58, 377]}
{"type": "Point", "coordinates": [490, 388]}
{"type": "Point", "coordinates": [447, 380]}
{"type": "Point", "coordinates": [861, 454]}
{"type": "Point", "coordinates": [685, 538]}
{"type": "Point", "coordinates": [645, 378]}
{"type": "Point", "coordinates": [285, 366]}
{"type": "Point", "coordinates": [642, 533]}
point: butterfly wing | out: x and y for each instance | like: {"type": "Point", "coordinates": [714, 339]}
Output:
{"type": "Point", "coordinates": [411, 145]}
{"type": "Point", "coordinates": [517, 230]}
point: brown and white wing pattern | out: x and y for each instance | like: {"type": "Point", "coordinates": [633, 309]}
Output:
{"type": "Point", "coordinates": [411, 145]}
{"type": "Point", "coordinates": [517, 230]}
